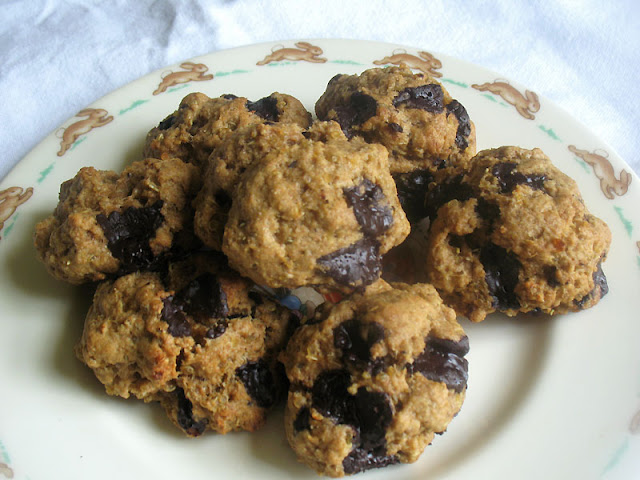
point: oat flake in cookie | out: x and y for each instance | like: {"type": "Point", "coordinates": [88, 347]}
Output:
{"type": "Point", "coordinates": [511, 233]}
{"type": "Point", "coordinates": [107, 223]}
{"type": "Point", "coordinates": [196, 341]}
{"type": "Point", "coordinates": [201, 123]}
{"type": "Point", "coordinates": [374, 379]}
{"type": "Point", "coordinates": [411, 114]}
{"type": "Point", "coordinates": [313, 209]}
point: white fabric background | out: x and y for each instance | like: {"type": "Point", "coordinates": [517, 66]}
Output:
{"type": "Point", "coordinates": [57, 56]}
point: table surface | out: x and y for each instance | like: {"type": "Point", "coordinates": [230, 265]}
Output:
{"type": "Point", "coordinates": [56, 57]}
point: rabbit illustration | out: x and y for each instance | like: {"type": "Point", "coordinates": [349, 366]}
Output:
{"type": "Point", "coordinates": [6, 470]}
{"type": "Point", "coordinates": [526, 104]}
{"type": "Point", "coordinates": [305, 51]}
{"type": "Point", "coordinates": [603, 169]}
{"type": "Point", "coordinates": [425, 62]}
{"type": "Point", "coordinates": [96, 117]}
{"type": "Point", "coordinates": [10, 200]}
{"type": "Point", "coordinates": [194, 72]}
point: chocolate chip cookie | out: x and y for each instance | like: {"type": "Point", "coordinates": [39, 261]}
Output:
{"type": "Point", "coordinates": [108, 223]}
{"type": "Point", "coordinates": [411, 114]}
{"type": "Point", "coordinates": [374, 379]}
{"type": "Point", "coordinates": [200, 123]}
{"type": "Point", "coordinates": [312, 208]}
{"type": "Point", "coordinates": [511, 233]}
{"type": "Point", "coordinates": [198, 341]}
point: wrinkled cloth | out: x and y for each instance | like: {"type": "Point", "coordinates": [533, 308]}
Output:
{"type": "Point", "coordinates": [56, 57]}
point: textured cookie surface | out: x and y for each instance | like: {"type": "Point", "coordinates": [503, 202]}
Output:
{"type": "Point", "coordinates": [316, 209]}
{"type": "Point", "coordinates": [201, 123]}
{"type": "Point", "coordinates": [107, 223]}
{"type": "Point", "coordinates": [196, 341]}
{"type": "Point", "coordinates": [411, 114]}
{"type": "Point", "coordinates": [511, 233]}
{"type": "Point", "coordinates": [374, 379]}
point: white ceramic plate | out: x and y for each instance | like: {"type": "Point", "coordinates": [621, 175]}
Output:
{"type": "Point", "coordinates": [551, 398]}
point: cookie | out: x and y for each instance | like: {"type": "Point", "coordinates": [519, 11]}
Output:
{"type": "Point", "coordinates": [411, 114]}
{"type": "Point", "coordinates": [107, 223]}
{"type": "Point", "coordinates": [374, 379]}
{"type": "Point", "coordinates": [200, 123]}
{"type": "Point", "coordinates": [312, 208]}
{"type": "Point", "coordinates": [511, 233]}
{"type": "Point", "coordinates": [198, 341]}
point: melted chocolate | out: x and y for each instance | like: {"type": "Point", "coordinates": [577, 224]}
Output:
{"type": "Point", "coordinates": [370, 207]}
{"type": "Point", "coordinates": [355, 339]}
{"type": "Point", "coordinates": [508, 178]}
{"type": "Point", "coordinates": [356, 264]}
{"type": "Point", "coordinates": [464, 123]}
{"type": "Point", "coordinates": [412, 190]}
{"type": "Point", "coordinates": [303, 420]}
{"type": "Point", "coordinates": [266, 108]}
{"type": "Point", "coordinates": [359, 108]}
{"type": "Point", "coordinates": [443, 193]}
{"type": "Point", "coordinates": [204, 298]}
{"type": "Point", "coordinates": [600, 288]}
{"type": "Point", "coordinates": [443, 361]}
{"type": "Point", "coordinates": [259, 382]}
{"type": "Point", "coordinates": [128, 234]}
{"type": "Point", "coordinates": [425, 97]}
{"type": "Point", "coordinates": [173, 314]}
{"type": "Point", "coordinates": [502, 270]}
{"type": "Point", "coordinates": [185, 416]}
{"type": "Point", "coordinates": [368, 413]}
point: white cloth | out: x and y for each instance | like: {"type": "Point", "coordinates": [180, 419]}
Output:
{"type": "Point", "coordinates": [58, 56]}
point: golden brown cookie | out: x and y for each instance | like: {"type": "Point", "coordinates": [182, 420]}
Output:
{"type": "Point", "coordinates": [107, 223]}
{"type": "Point", "coordinates": [511, 233]}
{"type": "Point", "coordinates": [197, 341]}
{"type": "Point", "coordinates": [374, 379]}
{"type": "Point", "coordinates": [201, 123]}
{"type": "Point", "coordinates": [411, 114]}
{"type": "Point", "coordinates": [312, 208]}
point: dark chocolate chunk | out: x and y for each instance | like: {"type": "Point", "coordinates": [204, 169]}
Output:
{"type": "Point", "coordinates": [443, 193]}
{"type": "Point", "coordinates": [185, 416]}
{"type": "Point", "coordinates": [368, 413]}
{"type": "Point", "coordinates": [487, 211]}
{"type": "Point", "coordinates": [259, 382]}
{"type": "Point", "coordinates": [128, 234]}
{"type": "Point", "coordinates": [266, 108]}
{"type": "Point", "coordinates": [229, 96]}
{"type": "Point", "coordinates": [464, 123]}
{"type": "Point", "coordinates": [600, 288]}
{"type": "Point", "coordinates": [549, 272]}
{"type": "Point", "coordinates": [217, 330]}
{"type": "Point", "coordinates": [360, 460]}
{"type": "Point", "coordinates": [370, 207]}
{"type": "Point", "coordinates": [502, 269]}
{"type": "Point", "coordinates": [359, 264]}
{"type": "Point", "coordinates": [396, 127]}
{"type": "Point", "coordinates": [173, 314]}
{"type": "Point", "coordinates": [425, 97]}
{"type": "Point", "coordinates": [443, 361]}
{"type": "Point", "coordinates": [203, 298]}
{"type": "Point", "coordinates": [412, 190]}
{"type": "Point", "coordinates": [355, 339]}
{"type": "Point", "coordinates": [167, 123]}
{"type": "Point", "coordinates": [373, 415]}
{"type": "Point", "coordinates": [330, 397]}
{"type": "Point", "coordinates": [508, 178]}
{"type": "Point", "coordinates": [302, 421]}
{"type": "Point", "coordinates": [360, 108]}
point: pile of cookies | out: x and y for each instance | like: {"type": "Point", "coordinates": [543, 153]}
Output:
{"type": "Point", "coordinates": [380, 204]}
